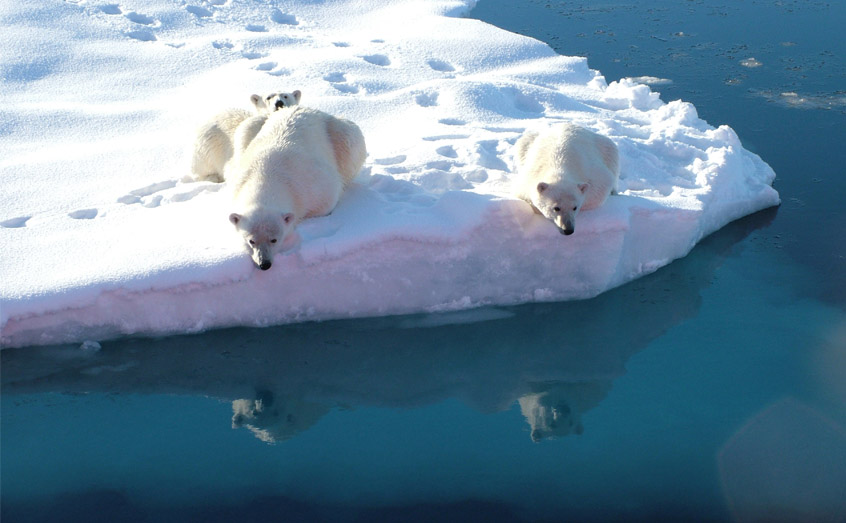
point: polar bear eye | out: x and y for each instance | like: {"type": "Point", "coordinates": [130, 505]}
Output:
{"type": "Point", "coordinates": [252, 242]}
{"type": "Point", "coordinates": [273, 240]}
{"type": "Point", "coordinates": [576, 208]}
{"type": "Point", "coordinates": [556, 209]}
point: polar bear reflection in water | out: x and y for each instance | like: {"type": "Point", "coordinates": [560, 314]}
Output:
{"type": "Point", "coordinates": [554, 410]}
{"type": "Point", "coordinates": [272, 418]}
{"type": "Point", "coordinates": [557, 410]}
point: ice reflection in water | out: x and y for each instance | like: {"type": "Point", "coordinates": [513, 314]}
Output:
{"type": "Point", "coordinates": [557, 361]}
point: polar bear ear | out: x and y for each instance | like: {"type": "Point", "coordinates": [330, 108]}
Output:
{"type": "Point", "coordinates": [234, 218]}
{"type": "Point", "coordinates": [297, 95]}
{"type": "Point", "coordinates": [256, 99]}
{"type": "Point", "coordinates": [288, 218]}
{"type": "Point", "coordinates": [543, 186]}
{"type": "Point", "coordinates": [583, 187]}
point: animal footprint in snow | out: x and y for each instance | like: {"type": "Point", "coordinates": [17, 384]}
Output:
{"type": "Point", "coordinates": [338, 81]}
{"type": "Point", "coordinates": [335, 78]}
{"type": "Point", "coordinates": [441, 66]}
{"type": "Point", "coordinates": [440, 137]}
{"type": "Point", "coordinates": [346, 88]}
{"type": "Point", "coordinates": [190, 194]}
{"type": "Point", "coordinates": [447, 151]}
{"type": "Point", "coordinates": [139, 18]}
{"type": "Point", "coordinates": [282, 18]}
{"type": "Point", "coordinates": [136, 195]}
{"type": "Point", "coordinates": [428, 99]}
{"type": "Point", "coordinates": [168, 191]}
{"type": "Point", "coordinates": [442, 165]}
{"type": "Point", "coordinates": [15, 223]}
{"type": "Point", "coordinates": [253, 55]}
{"type": "Point", "coordinates": [391, 164]}
{"type": "Point", "coordinates": [83, 214]}
{"type": "Point", "coordinates": [143, 36]}
{"type": "Point", "coordinates": [111, 9]}
{"type": "Point", "coordinates": [199, 12]}
{"type": "Point", "coordinates": [377, 59]}
{"type": "Point", "coordinates": [488, 152]}
{"type": "Point", "coordinates": [452, 121]}
{"type": "Point", "coordinates": [393, 160]}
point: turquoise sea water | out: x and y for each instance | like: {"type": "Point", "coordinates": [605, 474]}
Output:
{"type": "Point", "coordinates": [714, 389]}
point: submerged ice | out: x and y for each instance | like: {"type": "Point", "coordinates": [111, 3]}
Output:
{"type": "Point", "coordinates": [104, 235]}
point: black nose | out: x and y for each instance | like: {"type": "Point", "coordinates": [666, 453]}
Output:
{"type": "Point", "coordinates": [280, 104]}
{"type": "Point", "coordinates": [567, 232]}
{"type": "Point", "coordinates": [264, 265]}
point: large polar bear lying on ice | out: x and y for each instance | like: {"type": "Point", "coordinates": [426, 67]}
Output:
{"type": "Point", "coordinates": [296, 167]}
{"type": "Point", "coordinates": [214, 143]}
{"type": "Point", "coordinates": [564, 170]}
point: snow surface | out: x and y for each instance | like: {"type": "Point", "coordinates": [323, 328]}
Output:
{"type": "Point", "coordinates": [103, 235]}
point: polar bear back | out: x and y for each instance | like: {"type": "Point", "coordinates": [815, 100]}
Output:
{"type": "Point", "coordinates": [296, 161]}
{"type": "Point", "coordinates": [568, 153]}
{"type": "Point", "coordinates": [348, 147]}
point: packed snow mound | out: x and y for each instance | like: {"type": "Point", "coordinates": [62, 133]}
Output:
{"type": "Point", "coordinates": [103, 234]}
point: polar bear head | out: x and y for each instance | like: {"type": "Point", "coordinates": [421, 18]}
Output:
{"type": "Point", "coordinates": [275, 101]}
{"type": "Point", "coordinates": [560, 202]}
{"type": "Point", "coordinates": [264, 233]}
{"type": "Point", "coordinates": [550, 414]}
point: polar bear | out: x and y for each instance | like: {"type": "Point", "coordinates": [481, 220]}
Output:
{"type": "Point", "coordinates": [556, 409]}
{"type": "Point", "coordinates": [275, 101]}
{"type": "Point", "coordinates": [564, 170]}
{"type": "Point", "coordinates": [214, 143]}
{"type": "Point", "coordinates": [273, 417]}
{"type": "Point", "coordinates": [296, 167]}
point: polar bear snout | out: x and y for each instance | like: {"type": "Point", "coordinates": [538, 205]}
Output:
{"type": "Point", "coordinates": [565, 225]}
{"type": "Point", "coordinates": [262, 256]}
{"type": "Point", "coordinates": [565, 221]}
{"type": "Point", "coordinates": [566, 229]}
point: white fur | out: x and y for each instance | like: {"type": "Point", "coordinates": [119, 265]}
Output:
{"type": "Point", "coordinates": [565, 169]}
{"type": "Point", "coordinates": [295, 167]}
{"type": "Point", "coordinates": [215, 141]}
{"type": "Point", "coordinates": [213, 144]}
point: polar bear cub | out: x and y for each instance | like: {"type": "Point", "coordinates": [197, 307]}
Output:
{"type": "Point", "coordinates": [296, 167]}
{"type": "Point", "coordinates": [275, 101]}
{"type": "Point", "coordinates": [213, 146]}
{"type": "Point", "coordinates": [564, 170]}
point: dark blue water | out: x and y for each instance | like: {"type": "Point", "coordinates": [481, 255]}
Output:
{"type": "Point", "coordinates": [713, 389]}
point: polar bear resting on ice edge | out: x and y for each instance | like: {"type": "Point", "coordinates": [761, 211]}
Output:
{"type": "Point", "coordinates": [296, 167]}
{"type": "Point", "coordinates": [214, 144]}
{"type": "Point", "coordinates": [564, 170]}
